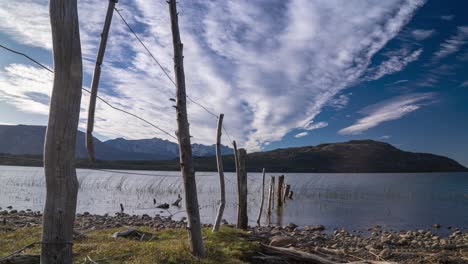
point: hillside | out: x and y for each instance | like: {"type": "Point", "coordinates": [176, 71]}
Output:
{"type": "Point", "coordinates": [360, 156]}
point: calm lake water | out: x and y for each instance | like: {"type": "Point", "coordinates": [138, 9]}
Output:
{"type": "Point", "coordinates": [349, 200]}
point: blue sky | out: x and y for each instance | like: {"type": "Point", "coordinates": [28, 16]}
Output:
{"type": "Point", "coordinates": [284, 73]}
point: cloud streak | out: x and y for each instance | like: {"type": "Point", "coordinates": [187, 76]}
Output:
{"type": "Point", "coordinates": [392, 109]}
{"type": "Point", "coordinates": [453, 44]}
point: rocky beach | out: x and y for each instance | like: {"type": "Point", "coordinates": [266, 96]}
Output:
{"type": "Point", "coordinates": [282, 244]}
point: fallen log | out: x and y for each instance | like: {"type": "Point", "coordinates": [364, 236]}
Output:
{"type": "Point", "coordinates": [295, 255]}
{"type": "Point", "coordinates": [305, 257]}
{"type": "Point", "coordinates": [21, 259]}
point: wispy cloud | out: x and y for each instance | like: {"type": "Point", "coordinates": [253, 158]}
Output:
{"type": "Point", "coordinates": [447, 17]}
{"type": "Point", "coordinates": [464, 84]}
{"type": "Point", "coordinates": [396, 62]}
{"type": "Point", "coordinates": [453, 44]}
{"type": "Point", "coordinates": [313, 126]}
{"type": "Point", "coordinates": [340, 101]}
{"type": "Point", "coordinates": [269, 72]}
{"type": "Point", "coordinates": [302, 134]}
{"type": "Point", "coordinates": [392, 109]}
{"type": "Point", "coordinates": [422, 34]}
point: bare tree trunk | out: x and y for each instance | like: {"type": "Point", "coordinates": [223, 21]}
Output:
{"type": "Point", "coordinates": [95, 82]}
{"type": "Point", "coordinates": [60, 139]}
{"type": "Point", "coordinates": [183, 134]}
{"type": "Point", "coordinates": [262, 197]}
{"type": "Point", "coordinates": [242, 218]}
{"type": "Point", "coordinates": [221, 174]}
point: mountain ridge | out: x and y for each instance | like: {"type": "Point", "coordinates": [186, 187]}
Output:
{"type": "Point", "coordinates": [29, 140]}
{"type": "Point", "coordinates": [354, 156]}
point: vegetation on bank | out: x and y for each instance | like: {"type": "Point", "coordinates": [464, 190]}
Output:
{"type": "Point", "coordinates": [168, 246]}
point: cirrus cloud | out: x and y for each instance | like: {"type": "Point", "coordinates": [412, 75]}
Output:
{"type": "Point", "coordinates": [391, 109]}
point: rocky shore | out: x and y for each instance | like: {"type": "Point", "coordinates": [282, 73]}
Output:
{"type": "Point", "coordinates": [414, 246]}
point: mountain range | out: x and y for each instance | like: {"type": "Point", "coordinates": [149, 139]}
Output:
{"type": "Point", "coordinates": [26, 142]}
{"type": "Point", "coordinates": [29, 140]}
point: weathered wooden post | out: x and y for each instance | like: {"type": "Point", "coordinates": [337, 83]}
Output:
{"type": "Point", "coordinates": [271, 193]}
{"type": "Point", "coordinates": [262, 197]}
{"type": "Point", "coordinates": [60, 138]}
{"type": "Point", "coordinates": [286, 192]}
{"type": "Point", "coordinates": [242, 218]}
{"type": "Point", "coordinates": [183, 135]}
{"type": "Point", "coordinates": [279, 190]}
{"type": "Point", "coordinates": [95, 81]}
{"type": "Point", "coordinates": [219, 162]}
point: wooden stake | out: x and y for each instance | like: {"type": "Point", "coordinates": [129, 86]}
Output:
{"type": "Point", "coordinates": [60, 139]}
{"type": "Point", "coordinates": [219, 162]}
{"type": "Point", "coordinates": [262, 197]}
{"type": "Point", "coordinates": [271, 193]}
{"type": "Point", "coordinates": [95, 81]}
{"type": "Point", "coordinates": [279, 191]}
{"type": "Point", "coordinates": [183, 135]}
{"type": "Point", "coordinates": [242, 218]}
{"type": "Point", "coordinates": [286, 192]}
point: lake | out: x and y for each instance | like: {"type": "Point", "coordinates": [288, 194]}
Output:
{"type": "Point", "coordinates": [355, 201]}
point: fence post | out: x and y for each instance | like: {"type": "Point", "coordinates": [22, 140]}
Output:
{"type": "Point", "coordinates": [95, 81]}
{"type": "Point", "coordinates": [279, 191]}
{"type": "Point", "coordinates": [183, 135]}
{"type": "Point", "coordinates": [286, 192]}
{"type": "Point", "coordinates": [60, 138]}
{"type": "Point", "coordinates": [262, 197]}
{"type": "Point", "coordinates": [271, 193]}
{"type": "Point", "coordinates": [242, 218]}
{"type": "Point", "coordinates": [219, 162]}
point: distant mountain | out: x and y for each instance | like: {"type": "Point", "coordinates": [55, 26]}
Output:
{"type": "Point", "coordinates": [29, 140]}
{"type": "Point", "coordinates": [163, 148]}
{"type": "Point", "coordinates": [351, 156]}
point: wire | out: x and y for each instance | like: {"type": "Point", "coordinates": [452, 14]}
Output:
{"type": "Point", "coordinates": [144, 46]}
{"type": "Point", "coordinates": [100, 98]}
{"type": "Point", "coordinates": [31, 59]}
{"type": "Point", "coordinates": [164, 70]}
{"type": "Point", "coordinates": [128, 113]}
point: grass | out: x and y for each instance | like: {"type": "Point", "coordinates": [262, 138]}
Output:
{"type": "Point", "coordinates": [170, 246]}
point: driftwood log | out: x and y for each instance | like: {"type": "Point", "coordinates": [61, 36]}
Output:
{"type": "Point", "coordinates": [297, 256]}
{"type": "Point", "coordinates": [21, 259]}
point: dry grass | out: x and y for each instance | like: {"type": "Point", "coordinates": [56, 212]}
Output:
{"type": "Point", "coordinates": [169, 246]}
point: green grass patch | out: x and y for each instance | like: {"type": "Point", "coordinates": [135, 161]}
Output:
{"type": "Point", "coordinates": [169, 246]}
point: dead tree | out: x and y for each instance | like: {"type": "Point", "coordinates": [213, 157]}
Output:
{"type": "Point", "coordinates": [60, 138]}
{"type": "Point", "coordinates": [95, 81]}
{"type": "Point", "coordinates": [262, 197]}
{"type": "Point", "coordinates": [219, 162]}
{"type": "Point", "coordinates": [183, 135]}
{"type": "Point", "coordinates": [242, 218]}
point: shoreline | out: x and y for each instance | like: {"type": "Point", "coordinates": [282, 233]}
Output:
{"type": "Point", "coordinates": [401, 246]}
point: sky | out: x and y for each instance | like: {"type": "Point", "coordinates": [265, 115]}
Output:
{"type": "Point", "coordinates": [284, 73]}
